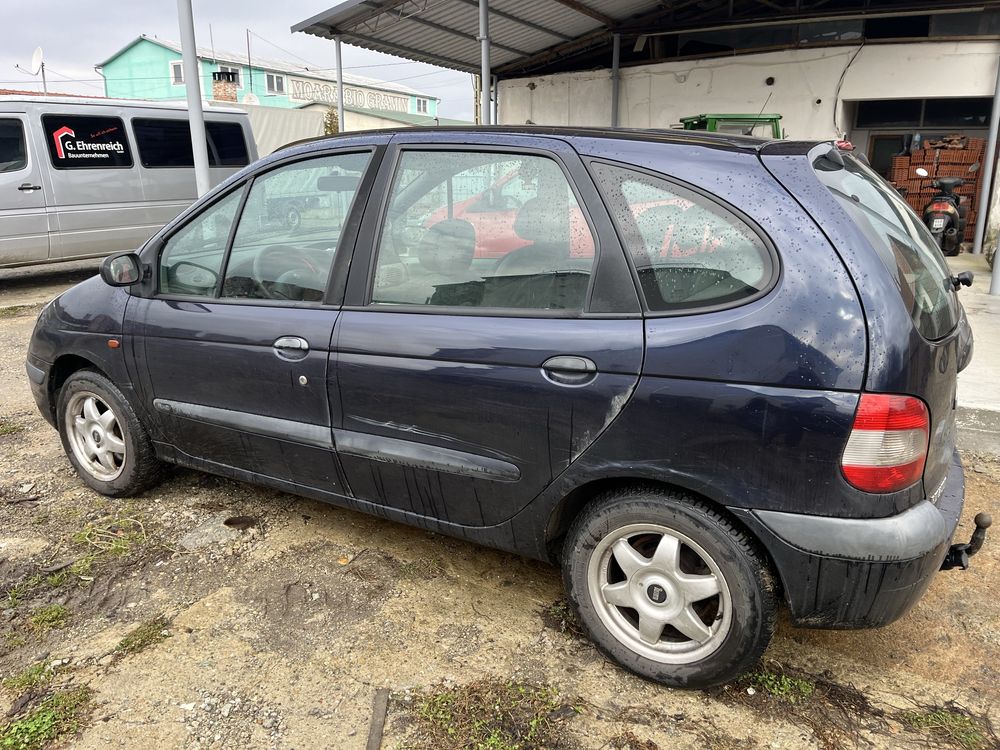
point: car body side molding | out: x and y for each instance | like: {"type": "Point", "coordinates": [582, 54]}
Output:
{"type": "Point", "coordinates": [423, 456]}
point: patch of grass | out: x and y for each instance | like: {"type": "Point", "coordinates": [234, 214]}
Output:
{"type": "Point", "coordinates": [423, 568]}
{"type": "Point", "coordinates": [57, 716]}
{"type": "Point", "coordinates": [560, 616]}
{"type": "Point", "coordinates": [14, 311]}
{"type": "Point", "coordinates": [113, 536]}
{"type": "Point", "coordinates": [9, 427]}
{"type": "Point", "coordinates": [14, 640]}
{"type": "Point", "coordinates": [781, 686]}
{"type": "Point", "coordinates": [22, 590]}
{"type": "Point", "coordinates": [147, 634]}
{"type": "Point", "coordinates": [628, 740]}
{"type": "Point", "coordinates": [36, 676]}
{"type": "Point", "coordinates": [950, 724]}
{"type": "Point", "coordinates": [492, 715]}
{"type": "Point", "coordinates": [49, 617]}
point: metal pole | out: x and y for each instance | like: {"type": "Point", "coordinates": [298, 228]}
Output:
{"type": "Point", "coordinates": [192, 82]}
{"type": "Point", "coordinates": [484, 52]}
{"type": "Point", "coordinates": [496, 100]}
{"type": "Point", "coordinates": [987, 166]}
{"type": "Point", "coordinates": [341, 125]}
{"type": "Point", "coordinates": [45, 85]}
{"type": "Point", "coordinates": [616, 56]}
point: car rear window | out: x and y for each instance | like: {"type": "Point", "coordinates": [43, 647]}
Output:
{"type": "Point", "coordinates": [901, 240]}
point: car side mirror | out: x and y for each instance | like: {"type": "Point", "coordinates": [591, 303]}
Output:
{"type": "Point", "coordinates": [124, 269]}
{"type": "Point", "coordinates": [921, 172]}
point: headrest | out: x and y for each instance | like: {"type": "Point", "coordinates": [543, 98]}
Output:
{"type": "Point", "coordinates": [537, 221]}
{"type": "Point", "coordinates": [448, 247]}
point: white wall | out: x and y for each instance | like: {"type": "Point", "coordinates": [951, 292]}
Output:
{"type": "Point", "coordinates": [659, 95]}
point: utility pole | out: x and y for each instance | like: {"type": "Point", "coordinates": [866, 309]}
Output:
{"type": "Point", "coordinates": [192, 82]}
{"type": "Point", "coordinates": [341, 126]}
{"type": "Point", "coordinates": [484, 62]}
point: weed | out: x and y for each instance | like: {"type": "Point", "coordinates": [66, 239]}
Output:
{"type": "Point", "coordinates": [59, 715]}
{"type": "Point", "coordinates": [147, 634]}
{"type": "Point", "coordinates": [14, 311]}
{"type": "Point", "coordinates": [560, 616]}
{"type": "Point", "coordinates": [49, 617]}
{"type": "Point", "coordinates": [628, 740]}
{"type": "Point", "coordinates": [423, 568]}
{"type": "Point", "coordinates": [35, 676]}
{"type": "Point", "coordinates": [492, 715]}
{"type": "Point", "coordinates": [781, 686]}
{"type": "Point", "coordinates": [83, 566]}
{"type": "Point", "coordinates": [14, 640]}
{"type": "Point", "coordinates": [951, 724]}
{"type": "Point", "coordinates": [9, 427]}
{"type": "Point", "coordinates": [55, 580]}
{"type": "Point", "coordinates": [112, 536]}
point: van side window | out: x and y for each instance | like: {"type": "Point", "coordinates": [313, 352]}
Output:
{"type": "Point", "coordinates": [290, 229]}
{"type": "Point", "coordinates": [688, 251]}
{"type": "Point", "coordinates": [86, 142]}
{"type": "Point", "coordinates": [191, 260]}
{"type": "Point", "coordinates": [167, 143]}
{"type": "Point", "coordinates": [455, 235]}
{"type": "Point", "coordinates": [13, 154]}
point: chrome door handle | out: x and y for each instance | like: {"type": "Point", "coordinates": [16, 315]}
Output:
{"type": "Point", "coordinates": [291, 347]}
{"type": "Point", "coordinates": [569, 370]}
{"type": "Point", "coordinates": [28, 187]}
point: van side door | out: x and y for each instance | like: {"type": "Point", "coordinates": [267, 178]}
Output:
{"type": "Point", "coordinates": [24, 225]}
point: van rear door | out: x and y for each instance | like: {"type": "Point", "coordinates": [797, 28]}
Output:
{"type": "Point", "coordinates": [24, 225]}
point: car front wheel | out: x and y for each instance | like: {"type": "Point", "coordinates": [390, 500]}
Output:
{"type": "Point", "coordinates": [669, 588]}
{"type": "Point", "coordinates": [103, 438]}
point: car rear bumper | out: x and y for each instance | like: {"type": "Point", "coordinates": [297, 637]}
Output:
{"type": "Point", "coordinates": [858, 573]}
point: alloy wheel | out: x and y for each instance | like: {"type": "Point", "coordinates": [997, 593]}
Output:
{"type": "Point", "coordinates": [95, 436]}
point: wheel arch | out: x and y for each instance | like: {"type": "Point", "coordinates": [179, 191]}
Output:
{"type": "Point", "coordinates": [64, 367]}
{"type": "Point", "coordinates": [573, 503]}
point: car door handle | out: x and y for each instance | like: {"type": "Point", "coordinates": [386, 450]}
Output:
{"type": "Point", "coordinates": [569, 370]}
{"type": "Point", "coordinates": [28, 187]}
{"type": "Point", "coordinates": [291, 347]}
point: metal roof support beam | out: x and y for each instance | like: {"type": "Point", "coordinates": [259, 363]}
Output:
{"type": "Point", "coordinates": [527, 24]}
{"type": "Point", "coordinates": [464, 35]}
{"type": "Point", "coordinates": [414, 54]}
{"type": "Point", "coordinates": [588, 11]}
{"type": "Point", "coordinates": [616, 58]}
{"type": "Point", "coordinates": [484, 62]}
{"type": "Point", "coordinates": [341, 125]}
{"type": "Point", "coordinates": [496, 100]}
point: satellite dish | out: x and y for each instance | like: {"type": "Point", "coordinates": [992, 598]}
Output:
{"type": "Point", "coordinates": [36, 61]}
{"type": "Point", "coordinates": [251, 98]}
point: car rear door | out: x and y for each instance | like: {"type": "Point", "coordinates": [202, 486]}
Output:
{"type": "Point", "coordinates": [24, 227]}
{"type": "Point", "coordinates": [232, 348]}
{"type": "Point", "coordinates": [467, 383]}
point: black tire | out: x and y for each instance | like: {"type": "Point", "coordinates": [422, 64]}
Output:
{"type": "Point", "coordinates": [138, 469]}
{"type": "Point", "coordinates": [739, 638]}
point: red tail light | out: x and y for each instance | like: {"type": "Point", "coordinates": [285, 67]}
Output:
{"type": "Point", "coordinates": [943, 207]}
{"type": "Point", "coordinates": [888, 444]}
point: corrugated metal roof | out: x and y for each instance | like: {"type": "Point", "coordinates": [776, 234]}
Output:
{"type": "Point", "coordinates": [444, 32]}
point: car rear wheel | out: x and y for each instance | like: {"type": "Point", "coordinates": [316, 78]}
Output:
{"type": "Point", "coordinates": [669, 588]}
{"type": "Point", "coordinates": [103, 438]}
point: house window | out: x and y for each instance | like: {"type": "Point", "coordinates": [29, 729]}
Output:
{"type": "Point", "coordinates": [422, 106]}
{"type": "Point", "coordinates": [177, 73]}
{"type": "Point", "coordinates": [275, 84]}
{"type": "Point", "coordinates": [236, 71]}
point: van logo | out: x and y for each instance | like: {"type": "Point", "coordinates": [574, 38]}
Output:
{"type": "Point", "coordinates": [58, 136]}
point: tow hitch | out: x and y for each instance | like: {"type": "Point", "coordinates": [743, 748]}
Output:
{"type": "Point", "coordinates": [959, 554]}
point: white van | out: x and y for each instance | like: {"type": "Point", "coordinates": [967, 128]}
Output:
{"type": "Point", "coordinates": [83, 178]}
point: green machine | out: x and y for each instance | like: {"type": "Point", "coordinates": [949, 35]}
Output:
{"type": "Point", "coordinates": [761, 126]}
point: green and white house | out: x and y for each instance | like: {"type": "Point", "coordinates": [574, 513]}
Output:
{"type": "Point", "coordinates": [150, 68]}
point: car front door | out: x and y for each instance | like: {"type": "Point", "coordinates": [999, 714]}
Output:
{"type": "Point", "coordinates": [232, 349]}
{"type": "Point", "coordinates": [24, 227]}
{"type": "Point", "coordinates": [468, 383]}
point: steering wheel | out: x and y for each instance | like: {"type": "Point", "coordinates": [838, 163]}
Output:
{"type": "Point", "coordinates": [284, 262]}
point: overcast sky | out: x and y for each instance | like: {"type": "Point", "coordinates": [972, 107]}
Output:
{"type": "Point", "coordinates": [76, 36]}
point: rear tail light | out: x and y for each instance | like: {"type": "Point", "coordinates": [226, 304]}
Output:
{"type": "Point", "coordinates": [888, 444]}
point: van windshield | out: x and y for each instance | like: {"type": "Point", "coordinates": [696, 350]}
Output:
{"type": "Point", "coordinates": [902, 241]}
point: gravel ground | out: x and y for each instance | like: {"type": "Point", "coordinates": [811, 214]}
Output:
{"type": "Point", "coordinates": [277, 634]}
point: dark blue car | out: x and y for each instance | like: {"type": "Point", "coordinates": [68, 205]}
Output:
{"type": "Point", "coordinates": [706, 373]}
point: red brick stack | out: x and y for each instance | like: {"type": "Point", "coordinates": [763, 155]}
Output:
{"type": "Point", "coordinates": [941, 162]}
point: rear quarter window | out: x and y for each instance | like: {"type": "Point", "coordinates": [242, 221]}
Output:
{"type": "Point", "coordinates": [901, 240]}
{"type": "Point", "coordinates": [689, 252]}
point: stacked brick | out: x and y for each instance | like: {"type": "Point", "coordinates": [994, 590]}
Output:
{"type": "Point", "coordinates": [941, 162]}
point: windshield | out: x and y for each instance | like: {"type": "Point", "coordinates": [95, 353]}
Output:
{"type": "Point", "coordinates": [904, 244]}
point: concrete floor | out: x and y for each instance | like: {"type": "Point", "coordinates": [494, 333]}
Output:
{"type": "Point", "coordinates": [979, 383]}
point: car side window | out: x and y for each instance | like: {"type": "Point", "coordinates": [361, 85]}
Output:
{"type": "Point", "coordinates": [290, 228]}
{"type": "Point", "coordinates": [688, 251]}
{"type": "Point", "coordinates": [191, 259]}
{"type": "Point", "coordinates": [13, 152]}
{"type": "Point", "coordinates": [452, 236]}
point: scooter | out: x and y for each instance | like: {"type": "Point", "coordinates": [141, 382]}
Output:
{"type": "Point", "coordinates": [946, 213]}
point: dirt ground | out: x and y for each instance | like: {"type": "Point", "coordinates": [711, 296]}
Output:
{"type": "Point", "coordinates": [277, 631]}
